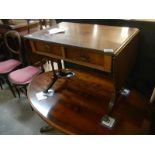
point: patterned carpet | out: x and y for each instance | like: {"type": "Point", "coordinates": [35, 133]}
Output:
{"type": "Point", "coordinates": [17, 118]}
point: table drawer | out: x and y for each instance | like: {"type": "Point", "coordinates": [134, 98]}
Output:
{"type": "Point", "coordinates": [89, 57]}
{"type": "Point", "coordinates": [43, 47]}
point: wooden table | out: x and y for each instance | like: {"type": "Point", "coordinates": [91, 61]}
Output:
{"type": "Point", "coordinates": [80, 102]}
{"type": "Point", "coordinates": [107, 49]}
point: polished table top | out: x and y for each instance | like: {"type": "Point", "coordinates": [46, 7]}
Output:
{"type": "Point", "coordinates": [89, 36]}
{"type": "Point", "coordinates": [81, 101]}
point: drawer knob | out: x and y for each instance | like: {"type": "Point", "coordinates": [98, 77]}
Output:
{"type": "Point", "coordinates": [47, 47]}
{"type": "Point", "coordinates": [84, 58]}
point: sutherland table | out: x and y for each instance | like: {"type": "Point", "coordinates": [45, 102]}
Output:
{"type": "Point", "coordinates": [108, 49]}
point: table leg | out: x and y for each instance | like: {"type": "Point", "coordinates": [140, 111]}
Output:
{"type": "Point", "coordinates": [107, 120]}
{"type": "Point", "coordinates": [112, 103]}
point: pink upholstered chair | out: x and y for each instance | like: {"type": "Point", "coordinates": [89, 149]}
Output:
{"type": "Point", "coordinates": [6, 66]}
{"type": "Point", "coordinates": [20, 78]}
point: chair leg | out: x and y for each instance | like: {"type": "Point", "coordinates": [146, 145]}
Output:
{"type": "Point", "coordinates": [21, 89]}
{"type": "Point", "coordinates": [31, 108]}
{"type": "Point", "coordinates": [10, 87]}
{"type": "Point", "coordinates": [1, 83]}
{"type": "Point", "coordinates": [18, 91]}
{"type": "Point", "coordinates": [25, 90]}
{"type": "Point", "coordinates": [1, 86]}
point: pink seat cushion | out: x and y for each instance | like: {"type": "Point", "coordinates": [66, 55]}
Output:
{"type": "Point", "coordinates": [24, 75]}
{"type": "Point", "coordinates": [8, 65]}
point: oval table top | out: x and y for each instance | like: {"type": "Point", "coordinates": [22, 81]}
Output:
{"type": "Point", "coordinates": [80, 102]}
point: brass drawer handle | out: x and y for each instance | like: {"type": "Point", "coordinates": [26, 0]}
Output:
{"type": "Point", "coordinates": [47, 47]}
{"type": "Point", "coordinates": [84, 57]}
